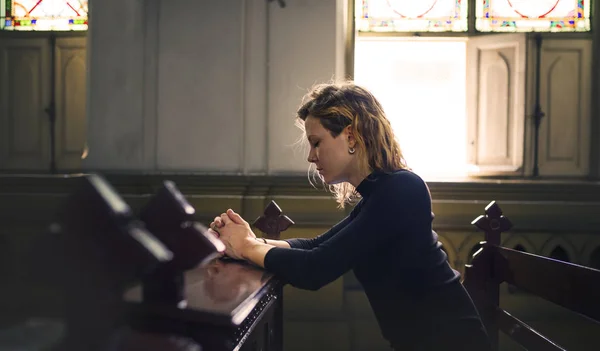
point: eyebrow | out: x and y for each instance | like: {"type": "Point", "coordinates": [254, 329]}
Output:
{"type": "Point", "coordinates": [311, 136]}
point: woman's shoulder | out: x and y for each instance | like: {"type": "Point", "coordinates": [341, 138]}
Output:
{"type": "Point", "coordinates": [405, 177]}
{"type": "Point", "coordinates": [404, 181]}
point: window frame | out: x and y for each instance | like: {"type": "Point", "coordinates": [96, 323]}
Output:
{"type": "Point", "coordinates": [526, 162]}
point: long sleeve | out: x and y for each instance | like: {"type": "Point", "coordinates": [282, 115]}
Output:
{"type": "Point", "coordinates": [308, 244]}
{"type": "Point", "coordinates": [398, 209]}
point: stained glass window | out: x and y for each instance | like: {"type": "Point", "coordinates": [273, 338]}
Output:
{"type": "Point", "coordinates": [532, 15]}
{"type": "Point", "coordinates": [56, 15]}
{"type": "Point", "coordinates": [411, 15]}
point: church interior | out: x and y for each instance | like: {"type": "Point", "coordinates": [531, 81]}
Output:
{"type": "Point", "coordinates": [142, 100]}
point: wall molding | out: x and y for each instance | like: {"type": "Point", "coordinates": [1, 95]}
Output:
{"type": "Point", "coordinates": [532, 206]}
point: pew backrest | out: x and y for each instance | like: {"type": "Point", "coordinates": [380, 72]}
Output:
{"type": "Point", "coordinates": [571, 286]}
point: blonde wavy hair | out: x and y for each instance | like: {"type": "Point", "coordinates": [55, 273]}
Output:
{"type": "Point", "coordinates": [338, 105]}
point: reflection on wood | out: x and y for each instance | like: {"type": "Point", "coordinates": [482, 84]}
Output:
{"type": "Point", "coordinates": [220, 293]}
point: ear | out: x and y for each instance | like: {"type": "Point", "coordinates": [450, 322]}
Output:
{"type": "Point", "coordinates": [350, 136]}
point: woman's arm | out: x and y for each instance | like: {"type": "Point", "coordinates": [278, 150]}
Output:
{"type": "Point", "coordinates": [400, 211]}
{"type": "Point", "coordinates": [277, 243]}
{"type": "Point", "coordinates": [217, 224]}
{"type": "Point", "coordinates": [308, 244]}
{"type": "Point", "coordinates": [241, 243]}
{"type": "Point", "coordinates": [295, 243]}
{"type": "Point", "coordinates": [256, 251]}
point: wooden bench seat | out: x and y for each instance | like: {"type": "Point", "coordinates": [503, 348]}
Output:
{"type": "Point", "coordinates": [574, 287]}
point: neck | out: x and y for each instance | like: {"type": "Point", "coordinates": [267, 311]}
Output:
{"type": "Point", "coordinates": [357, 178]}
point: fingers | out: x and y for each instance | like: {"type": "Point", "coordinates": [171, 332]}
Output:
{"type": "Point", "coordinates": [225, 218]}
{"type": "Point", "coordinates": [214, 232]}
{"type": "Point", "coordinates": [236, 218]}
{"type": "Point", "coordinates": [218, 222]}
{"type": "Point", "coordinates": [228, 217]}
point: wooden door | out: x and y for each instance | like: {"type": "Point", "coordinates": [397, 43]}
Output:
{"type": "Point", "coordinates": [29, 87]}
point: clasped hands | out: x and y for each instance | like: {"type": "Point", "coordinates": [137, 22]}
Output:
{"type": "Point", "coordinates": [234, 232]}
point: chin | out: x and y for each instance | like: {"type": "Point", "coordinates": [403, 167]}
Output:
{"type": "Point", "coordinates": [331, 182]}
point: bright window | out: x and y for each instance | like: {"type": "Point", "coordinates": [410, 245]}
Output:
{"type": "Point", "coordinates": [422, 87]}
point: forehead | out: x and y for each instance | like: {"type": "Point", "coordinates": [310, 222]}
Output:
{"type": "Point", "coordinates": [313, 126]}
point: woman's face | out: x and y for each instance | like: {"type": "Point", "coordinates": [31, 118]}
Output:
{"type": "Point", "coordinates": [330, 155]}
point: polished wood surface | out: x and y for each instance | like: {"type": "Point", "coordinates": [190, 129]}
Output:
{"type": "Point", "coordinates": [223, 292]}
{"type": "Point", "coordinates": [230, 305]}
{"type": "Point", "coordinates": [220, 303]}
{"type": "Point", "coordinates": [170, 217]}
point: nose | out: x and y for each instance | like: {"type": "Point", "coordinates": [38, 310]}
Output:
{"type": "Point", "coordinates": [311, 156]}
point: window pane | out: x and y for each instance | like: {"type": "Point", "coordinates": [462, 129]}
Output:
{"type": "Point", "coordinates": [532, 15]}
{"type": "Point", "coordinates": [411, 15]}
{"type": "Point", "coordinates": [44, 15]}
{"type": "Point", "coordinates": [422, 87]}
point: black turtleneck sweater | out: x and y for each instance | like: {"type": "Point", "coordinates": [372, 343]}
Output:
{"type": "Point", "coordinates": [388, 241]}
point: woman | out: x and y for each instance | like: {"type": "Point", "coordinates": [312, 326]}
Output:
{"type": "Point", "coordinates": [387, 240]}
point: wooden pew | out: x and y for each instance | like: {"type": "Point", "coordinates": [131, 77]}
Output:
{"type": "Point", "coordinates": [222, 304]}
{"type": "Point", "coordinates": [170, 217]}
{"type": "Point", "coordinates": [85, 263]}
{"type": "Point", "coordinates": [574, 287]}
{"type": "Point", "coordinates": [121, 284]}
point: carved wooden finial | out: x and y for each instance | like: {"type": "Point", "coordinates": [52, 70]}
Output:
{"type": "Point", "coordinates": [273, 221]}
{"type": "Point", "coordinates": [493, 223]}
